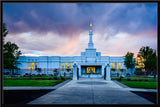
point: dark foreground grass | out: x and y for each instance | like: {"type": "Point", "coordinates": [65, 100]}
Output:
{"type": "Point", "coordinates": [31, 82]}
{"type": "Point", "coordinates": [151, 96]}
{"type": "Point", "coordinates": [141, 84]}
{"type": "Point", "coordinates": [22, 96]}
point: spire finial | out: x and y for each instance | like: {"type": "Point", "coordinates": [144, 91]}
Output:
{"type": "Point", "coordinates": [90, 26]}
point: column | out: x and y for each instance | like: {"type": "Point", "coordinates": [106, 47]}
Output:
{"type": "Point", "coordinates": [108, 71]}
{"type": "Point", "coordinates": [74, 72]}
{"type": "Point", "coordinates": [79, 70]}
{"type": "Point", "coordinates": [103, 70]}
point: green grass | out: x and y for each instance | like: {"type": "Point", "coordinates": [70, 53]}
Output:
{"type": "Point", "coordinates": [141, 84]}
{"type": "Point", "coordinates": [137, 78]}
{"type": "Point", "coordinates": [31, 82]}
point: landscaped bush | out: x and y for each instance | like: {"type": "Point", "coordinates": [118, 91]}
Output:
{"type": "Point", "coordinates": [33, 75]}
{"type": "Point", "coordinates": [51, 75]}
{"type": "Point", "coordinates": [113, 69]}
{"type": "Point", "coordinates": [120, 78]}
{"type": "Point", "coordinates": [133, 79]}
{"type": "Point", "coordinates": [128, 78]}
{"type": "Point", "coordinates": [138, 72]}
{"type": "Point", "coordinates": [62, 78]}
{"type": "Point", "coordinates": [26, 75]}
{"type": "Point", "coordinates": [146, 79]}
{"type": "Point", "coordinates": [43, 74]}
{"type": "Point", "coordinates": [38, 75]}
{"type": "Point", "coordinates": [128, 75]}
{"type": "Point", "coordinates": [6, 73]}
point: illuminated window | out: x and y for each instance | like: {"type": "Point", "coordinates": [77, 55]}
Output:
{"type": "Point", "coordinates": [111, 65]}
{"type": "Point", "coordinates": [66, 65]}
{"type": "Point", "coordinates": [115, 66]}
{"type": "Point", "coordinates": [32, 65]}
{"type": "Point", "coordinates": [36, 65]}
{"type": "Point", "coordinates": [69, 65]}
{"type": "Point", "coordinates": [29, 66]}
{"type": "Point", "coordinates": [119, 66]}
{"type": "Point", "coordinates": [62, 66]}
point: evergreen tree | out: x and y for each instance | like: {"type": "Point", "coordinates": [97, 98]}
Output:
{"type": "Point", "coordinates": [129, 62]}
{"type": "Point", "coordinates": [10, 53]}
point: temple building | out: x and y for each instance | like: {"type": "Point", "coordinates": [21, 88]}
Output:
{"type": "Point", "coordinates": [89, 61]}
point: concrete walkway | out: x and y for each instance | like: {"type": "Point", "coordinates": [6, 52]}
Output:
{"type": "Point", "coordinates": [90, 91]}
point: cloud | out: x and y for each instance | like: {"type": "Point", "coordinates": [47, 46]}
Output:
{"type": "Point", "coordinates": [62, 28]}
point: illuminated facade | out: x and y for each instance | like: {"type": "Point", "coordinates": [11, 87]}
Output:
{"type": "Point", "coordinates": [90, 61]}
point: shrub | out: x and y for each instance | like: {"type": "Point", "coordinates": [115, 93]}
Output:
{"type": "Point", "coordinates": [133, 79]}
{"type": "Point", "coordinates": [146, 80]}
{"type": "Point", "coordinates": [138, 72]}
{"type": "Point", "coordinates": [120, 78]}
{"type": "Point", "coordinates": [50, 78]}
{"type": "Point", "coordinates": [55, 78]}
{"type": "Point", "coordinates": [128, 78]}
{"type": "Point", "coordinates": [51, 75]}
{"type": "Point", "coordinates": [128, 74]}
{"type": "Point", "coordinates": [6, 73]}
{"type": "Point", "coordinates": [38, 75]}
{"type": "Point", "coordinates": [33, 75]}
{"type": "Point", "coordinates": [35, 78]}
{"type": "Point", "coordinates": [139, 79]}
{"type": "Point", "coordinates": [113, 69]}
{"type": "Point", "coordinates": [62, 78]}
{"type": "Point", "coordinates": [43, 74]}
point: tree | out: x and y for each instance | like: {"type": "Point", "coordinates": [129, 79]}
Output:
{"type": "Point", "coordinates": [10, 53]}
{"type": "Point", "coordinates": [5, 31]}
{"type": "Point", "coordinates": [150, 58]}
{"type": "Point", "coordinates": [129, 62]}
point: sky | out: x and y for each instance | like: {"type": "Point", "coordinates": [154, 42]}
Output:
{"type": "Point", "coordinates": [62, 29]}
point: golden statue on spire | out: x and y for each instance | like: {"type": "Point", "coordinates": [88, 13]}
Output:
{"type": "Point", "coordinates": [90, 26]}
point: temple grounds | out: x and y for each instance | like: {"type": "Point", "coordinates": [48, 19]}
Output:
{"type": "Point", "coordinates": [91, 91]}
{"type": "Point", "coordinates": [65, 90]}
{"type": "Point", "coordinates": [138, 82]}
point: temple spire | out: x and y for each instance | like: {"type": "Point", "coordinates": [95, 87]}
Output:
{"type": "Point", "coordinates": [90, 44]}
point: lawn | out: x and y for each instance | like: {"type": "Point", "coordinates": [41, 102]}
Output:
{"type": "Point", "coordinates": [141, 84]}
{"type": "Point", "coordinates": [136, 78]}
{"type": "Point", "coordinates": [31, 82]}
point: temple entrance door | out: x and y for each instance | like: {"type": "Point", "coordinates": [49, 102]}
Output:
{"type": "Point", "coordinates": [91, 70]}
